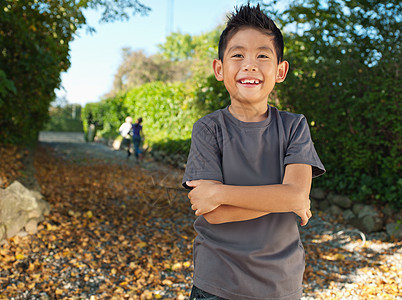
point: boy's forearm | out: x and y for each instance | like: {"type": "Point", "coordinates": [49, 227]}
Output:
{"type": "Point", "coordinates": [291, 195]}
{"type": "Point", "coordinates": [272, 198]}
{"type": "Point", "coordinates": [227, 213]}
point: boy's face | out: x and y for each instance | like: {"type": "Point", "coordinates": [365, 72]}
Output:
{"type": "Point", "coordinates": [250, 67]}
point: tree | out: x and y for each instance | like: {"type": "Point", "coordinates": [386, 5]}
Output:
{"type": "Point", "coordinates": [137, 69]}
{"type": "Point", "coordinates": [34, 50]}
{"type": "Point", "coordinates": [345, 65]}
{"type": "Point", "coordinates": [182, 57]}
{"type": "Point", "coordinates": [198, 50]}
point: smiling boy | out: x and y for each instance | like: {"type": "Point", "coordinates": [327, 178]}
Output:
{"type": "Point", "coordinates": [250, 169]}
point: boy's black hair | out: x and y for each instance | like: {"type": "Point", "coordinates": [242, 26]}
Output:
{"type": "Point", "coordinates": [252, 17]}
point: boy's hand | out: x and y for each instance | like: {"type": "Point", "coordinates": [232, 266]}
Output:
{"type": "Point", "coordinates": [203, 196]}
{"type": "Point", "coordinates": [305, 214]}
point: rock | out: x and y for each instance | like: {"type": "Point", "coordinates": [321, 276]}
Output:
{"type": "Point", "coordinates": [368, 219]}
{"type": "Point", "coordinates": [348, 215]}
{"type": "Point", "coordinates": [324, 205]}
{"type": "Point", "coordinates": [342, 201]}
{"type": "Point", "coordinates": [357, 208]}
{"type": "Point", "coordinates": [314, 204]}
{"type": "Point", "coordinates": [13, 226]}
{"type": "Point", "coordinates": [19, 205]}
{"type": "Point", "coordinates": [2, 232]}
{"type": "Point", "coordinates": [32, 226]}
{"type": "Point", "coordinates": [366, 210]}
{"type": "Point", "coordinates": [335, 210]}
{"type": "Point", "coordinates": [26, 199]}
{"type": "Point", "coordinates": [339, 200]}
{"type": "Point", "coordinates": [387, 210]}
{"type": "Point", "coordinates": [368, 224]}
{"type": "Point", "coordinates": [330, 197]}
{"type": "Point", "coordinates": [317, 193]}
{"type": "Point", "coordinates": [394, 230]}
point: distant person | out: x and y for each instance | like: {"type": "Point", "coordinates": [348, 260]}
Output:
{"type": "Point", "coordinates": [137, 139]}
{"type": "Point", "coordinates": [126, 131]}
{"type": "Point", "coordinates": [250, 168]}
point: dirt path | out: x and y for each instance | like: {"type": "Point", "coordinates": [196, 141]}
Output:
{"type": "Point", "coordinates": [72, 146]}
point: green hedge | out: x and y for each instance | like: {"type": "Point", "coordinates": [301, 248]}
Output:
{"type": "Point", "coordinates": [167, 109]}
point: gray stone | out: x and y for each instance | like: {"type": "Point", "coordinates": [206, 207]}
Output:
{"type": "Point", "coordinates": [357, 208]}
{"type": "Point", "coordinates": [32, 226]}
{"type": "Point", "coordinates": [324, 205]}
{"type": "Point", "coordinates": [387, 210]}
{"type": "Point", "coordinates": [369, 224]}
{"type": "Point", "coordinates": [19, 205]}
{"type": "Point", "coordinates": [317, 194]}
{"type": "Point", "coordinates": [335, 210]}
{"type": "Point", "coordinates": [313, 203]}
{"type": "Point", "coordinates": [330, 197]}
{"type": "Point", "coordinates": [394, 230]}
{"type": "Point", "coordinates": [348, 215]}
{"type": "Point", "coordinates": [367, 210]}
{"type": "Point", "coordinates": [2, 231]}
{"type": "Point", "coordinates": [13, 226]}
{"type": "Point", "coordinates": [342, 201]}
{"type": "Point", "coordinates": [26, 200]}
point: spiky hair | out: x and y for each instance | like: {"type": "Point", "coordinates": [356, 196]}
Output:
{"type": "Point", "coordinates": [246, 16]}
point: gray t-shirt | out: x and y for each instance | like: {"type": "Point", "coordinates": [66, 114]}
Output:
{"type": "Point", "coordinates": [261, 258]}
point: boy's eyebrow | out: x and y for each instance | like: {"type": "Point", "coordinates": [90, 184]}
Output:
{"type": "Point", "coordinates": [236, 47]}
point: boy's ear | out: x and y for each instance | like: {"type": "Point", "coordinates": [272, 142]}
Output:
{"type": "Point", "coordinates": [218, 69]}
{"type": "Point", "coordinates": [283, 69]}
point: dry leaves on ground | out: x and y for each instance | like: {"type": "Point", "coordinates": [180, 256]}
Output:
{"type": "Point", "coordinates": [113, 231]}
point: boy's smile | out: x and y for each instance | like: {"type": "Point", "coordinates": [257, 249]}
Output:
{"type": "Point", "coordinates": [250, 69]}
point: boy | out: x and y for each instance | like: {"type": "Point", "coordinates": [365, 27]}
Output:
{"type": "Point", "coordinates": [250, 168]}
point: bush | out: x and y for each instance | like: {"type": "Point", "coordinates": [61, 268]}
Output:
{"type": "Point", "coordinates": [344, 78]}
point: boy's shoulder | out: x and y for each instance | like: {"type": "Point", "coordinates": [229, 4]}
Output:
{"type": "Point", "coordinates": [212, 119]}
{"type": "Point", "coordinates": [290, 119]}
{"type": "Point", "coordinates": [287, 115]}
{"type": "Point", "coordinates": [213, 115]}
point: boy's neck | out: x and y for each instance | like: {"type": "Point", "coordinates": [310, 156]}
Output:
{"type": "Point", "coordinates": [249, 113]}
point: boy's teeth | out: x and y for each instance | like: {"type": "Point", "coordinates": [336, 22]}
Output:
{"type": "Point", "coordinates": [250, 81]}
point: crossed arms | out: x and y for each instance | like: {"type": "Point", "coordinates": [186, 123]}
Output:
{"type": "Point", "coordinates": [221, 203]}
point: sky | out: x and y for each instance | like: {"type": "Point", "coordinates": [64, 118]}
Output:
{"type": "Point", "coordinates": [96, 57]}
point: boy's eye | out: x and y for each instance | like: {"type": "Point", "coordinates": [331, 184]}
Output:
{"type": "Point", "coordinates": [263, 56]}
{"type": "Point", "coordinates": [237, 55]}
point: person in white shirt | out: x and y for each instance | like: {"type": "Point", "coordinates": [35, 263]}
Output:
{"type": "Point", "coordinates": [126, 131]}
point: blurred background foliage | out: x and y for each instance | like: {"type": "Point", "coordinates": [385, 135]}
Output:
{"type": "Point", "coordinates": [64, 116]}
{"type": "Point", "coordinates": [344, 76]}
{"type": "Point", "coordinates": [34, 50]}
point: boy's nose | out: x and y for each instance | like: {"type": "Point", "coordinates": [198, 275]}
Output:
{"type": "Point", "coordinates": [250, 67]}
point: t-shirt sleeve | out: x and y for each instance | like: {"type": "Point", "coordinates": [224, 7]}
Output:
{"type": "Point", "coordinates": [301, 149]}
{"type": "Point", "coordinates": [205, 158]}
